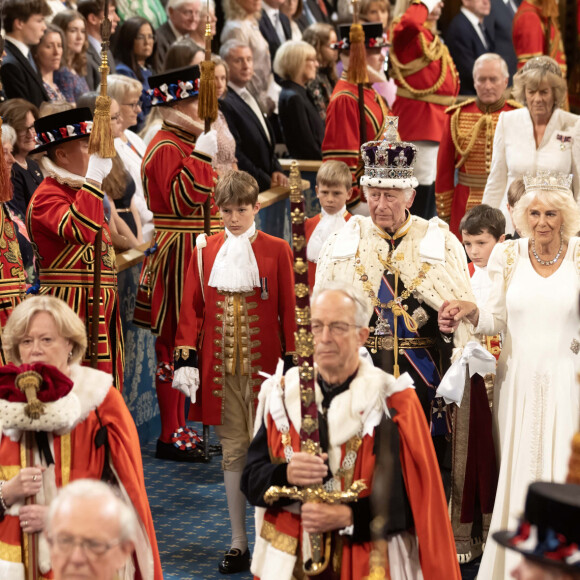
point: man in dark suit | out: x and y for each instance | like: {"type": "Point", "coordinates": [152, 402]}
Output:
{"type": "Point", "coordinates": [499, 25]}
{"type": "Point", "coordinates": [468, 38]}
{"type": "Point", "coordinates": [183, 18]}
{"type": "Point", "coordinates": [93, 11]}
{"type": "Point", "coordinates": [274, 26]}
{"type": "Point", "coordinates": [253, 133]}
{"type": "Point", "coordinates": [24, 25]}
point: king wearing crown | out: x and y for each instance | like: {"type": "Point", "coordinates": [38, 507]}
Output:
{"type": "Point", "coordinates": [408, 267]}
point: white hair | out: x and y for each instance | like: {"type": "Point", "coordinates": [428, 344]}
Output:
{"type": "Point", "coordinates": [177, 3]}
{"type": "Point", "coordinates": [94, 489]}
{"type": "Point", "coordinates": [491, 57]}
{"type": "Point", "coordinates": [408, 191]}
{"type": "Point", "coordinates": [8, 135]}
{"type": "Point", "coordinates": [230, 45]}
{"type": "Point", "coordinates": [362, 306]}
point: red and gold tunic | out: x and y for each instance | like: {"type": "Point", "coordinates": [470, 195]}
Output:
{"type": "Point", "coordinates": [426, 78]}
{"type": "Point", "coordinates": [466, 145]}
{"type": "Point", "coordinates": [76, 456]}
{"type": "Point", "coordinates": [247, 331]}
{"type": "Point", "coordinates": [529, 35]}
{"type": "Point", "coordinates": [342, 139]}
{"type": "Point", "coordinates": [309, 227]}
{"type": "Point", "coordinates": [176, 180]}
{"type": "Point", "coordinates": [63, 222]}
{"type": "Point", "coordinates": [12, 275]}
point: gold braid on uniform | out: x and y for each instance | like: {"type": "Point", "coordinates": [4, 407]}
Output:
{"type": "Point", "coordinates": [436, 50]}
{"type": "Point", "coordinates": [456, 135]}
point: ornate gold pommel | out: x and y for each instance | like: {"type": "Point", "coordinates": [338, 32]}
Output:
{"type": "Point", "coordinates": [297, 216]}
{"type": "Point", "coordinates": [315, 494]}
{"type": "Point", "coordinates": [304, 343]}
{"type": "Point", "coordinates": [300, 266]}
{"type": "Point", "coordinates": [295, 183]}
{"type": "Point", "coordinates": [298, 242]}
{"type": "Point", "coordinates": [208, 29]}
{"type": "Point", "coordinates": [29, 382]}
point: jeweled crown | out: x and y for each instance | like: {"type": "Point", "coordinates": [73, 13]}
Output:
{"type": "Point", "coordinates": [389, 162]}
{"type": "Point", "coordinates": [547, 180]}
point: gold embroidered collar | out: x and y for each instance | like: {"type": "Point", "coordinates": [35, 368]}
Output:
{"type": "Point", "coordinates": [399, 233]}
{"type": "Point", "coordinates": [490, 108]}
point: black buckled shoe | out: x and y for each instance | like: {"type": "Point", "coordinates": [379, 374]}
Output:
{"type": "Point", "coordinates": [171, 452]}
{"type": "Point", "coordinates": [235, 561]}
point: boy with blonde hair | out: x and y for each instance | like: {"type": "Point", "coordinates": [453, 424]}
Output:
{"type": "Point", "coordinates": [333, 189]}
{"type": "Point", "coordinates": [238, 312]}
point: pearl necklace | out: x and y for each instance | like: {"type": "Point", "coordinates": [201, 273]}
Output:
{"type": "Point", "coordinates": [544, 262]}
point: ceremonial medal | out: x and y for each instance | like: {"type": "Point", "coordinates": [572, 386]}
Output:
{"type": "Point", "coordinates": [264, 287]}
{"type": "Point", "coordinates": [382, 327]}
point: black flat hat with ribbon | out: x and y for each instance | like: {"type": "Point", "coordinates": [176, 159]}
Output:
{"type": "Point", "coordinates": [550, 530]}
{"type": "Point", "coordinates": [373, 36]}
{"type": "Point", "coordinates": [62, 127]}
{"type": "Point", "coordinates": [174, 86]}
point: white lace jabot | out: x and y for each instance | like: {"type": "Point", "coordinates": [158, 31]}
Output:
{"type": "Point", "coordinates": [327, 225]}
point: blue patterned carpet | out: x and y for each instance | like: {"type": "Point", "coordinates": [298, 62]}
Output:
{"type": "Point", "coordinates": [190, 513]}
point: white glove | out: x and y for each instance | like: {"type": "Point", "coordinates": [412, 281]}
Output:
{"type": "Point", "coordinates": [207, 143]}
{"type": "Point", "coordinates": [186, 380]}
{"type": "Point", "coordinates": [98, 168]}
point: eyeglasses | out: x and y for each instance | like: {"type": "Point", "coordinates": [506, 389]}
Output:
{"type": "Point", "coordinates": [334, 328]}
{"type": "Point", "coordinates": [28, 130]}
{"type": "Point", "coordinates": [135, 106]}
{"type": "Point", "coordinates": [116, 117]}
{"type": "Point", "coordinates": [142, 37]}
{"type": "Point", "coordinates": [92, 548]}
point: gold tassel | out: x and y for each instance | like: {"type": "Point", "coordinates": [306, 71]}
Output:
{"type": "Point", "coordinates": [207, 107]}
{"type": "Point", "coordinates": [101, 140]}
{"type": "Point", "coordinates": [5, 182]}
{"type": "Point", "coordinates": [357, 62]}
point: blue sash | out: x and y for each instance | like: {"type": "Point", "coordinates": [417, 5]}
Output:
{"type": "Point", "coordinates": [420, 359]}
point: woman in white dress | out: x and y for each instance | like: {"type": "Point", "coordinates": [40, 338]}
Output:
{"type": "Point", "coordinates": [538, 136]}
{"type": "Point", "coordinates": [534, 302]}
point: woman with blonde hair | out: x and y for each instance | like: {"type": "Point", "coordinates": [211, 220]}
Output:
{"type": "Point", "coordinates": [539, 136]}
{"type": "Point", "coordinates": [303, 129]}
{"type": "Point", "coordinates": [533, 301]}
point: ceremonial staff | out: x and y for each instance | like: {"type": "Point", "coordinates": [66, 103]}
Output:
{"type": "Point", "coordinates": [357, 66]}
{"type": "Point", "coordinates": [207, 105]}
{"type": "Point", "coordinates": [101, 143]}
{"type": "Point", "coordinates": [320, 544]}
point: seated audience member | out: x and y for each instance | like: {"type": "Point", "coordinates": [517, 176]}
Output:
{"type": "Point", "coordinates": [183, 18]}
{"type": "Point", "coordinates": [353, 397]}
{"type": "Point", "coordinates": [239, 270]}
{"type": "Point", "coordinates": [323, 38]}
{"type": "Point", "coordinates": [26, 175]}
{"type": "Point", "coordinates": [547, 537]}
{"type": "Point", "coordinates": [274, 26]}
{"type": "Point", "coordinates": [129, 146]}
{"type": "Point", "coordinates": [225, 158]}
{"type": "Point", "coordinates": [93, 12]}
{"type": "Point", "coordinates": [48, 55]}
{"type": "Point", "coordinates": [293, 10]}
{"type": "Point", "coordinates": [134, 50]}
{"type": "Point", "coordinates": [252, 131]}
{"type": "Point", "coordinates": [242, 25]}
{"type": "Point", "coordinates": [91, 513]}
{"type": "Point", "coordinates": [468, 38]}
{"type": "Point", "coordinates": [198, 35]}
{"type": "Point", "coordinates": [79, 404]}
{"type": "Point", "coordinates": [515, 192]}
{"type": "Point", "coordinates": [303, 129]}
{"type": "Point", "coordinates": [71, 77]}
{"type": "Point", "coordinates": [24, 25]}
{"type": "Point", "coordinates": [333, 188]}
{"type": "Point", "coordinates": [26, 250]}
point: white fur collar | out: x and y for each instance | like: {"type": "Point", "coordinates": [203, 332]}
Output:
{"type": "Point", "coordinates": [89, 390]}
{"type": "Point", "coordinates": [63, 176]}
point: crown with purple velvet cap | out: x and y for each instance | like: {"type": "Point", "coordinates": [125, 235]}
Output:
{"type": "Point", "coordinates": [389, 163]}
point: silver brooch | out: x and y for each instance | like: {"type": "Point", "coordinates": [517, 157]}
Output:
{"type": "Point", "coordinates": [575, 346]}
{"type": "Point", "coordinates": [420, 316]}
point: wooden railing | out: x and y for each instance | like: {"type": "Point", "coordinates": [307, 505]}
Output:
{"type": "Point", "coordinates": [267, 198]}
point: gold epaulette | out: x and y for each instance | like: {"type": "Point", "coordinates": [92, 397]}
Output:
{"type": "Point", "coordinates": [514, 104]}
{"type": "Point", "coordinates": [459, 105]}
